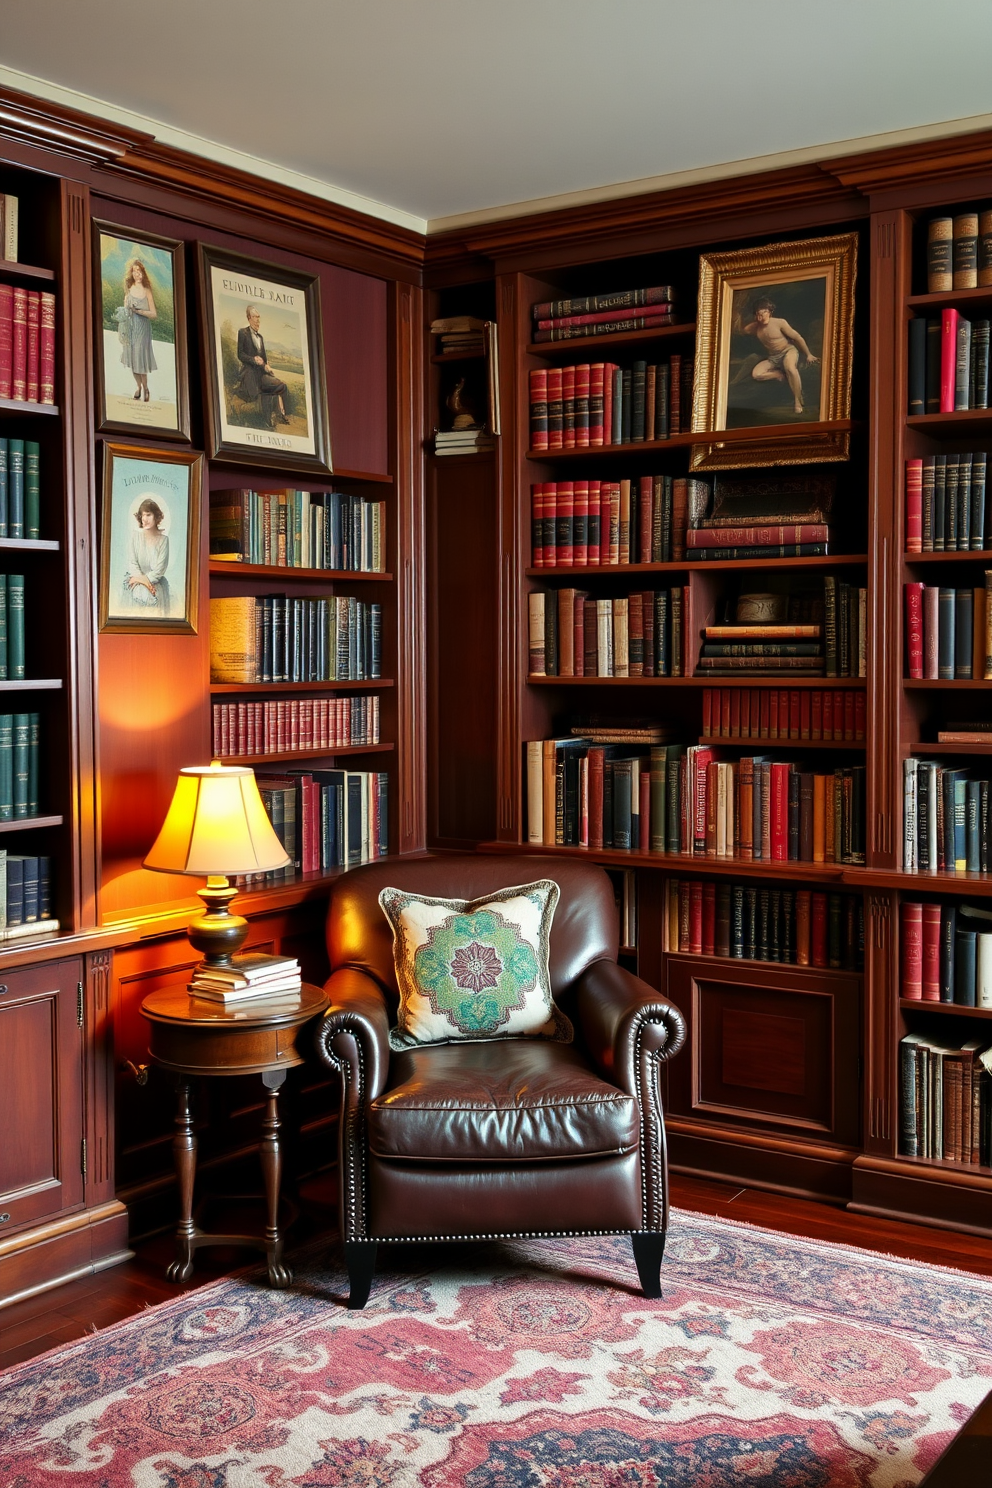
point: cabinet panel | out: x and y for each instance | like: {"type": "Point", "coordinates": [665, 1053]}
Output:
{"type": "Point", "coordinates": [41, 1111]}
{"type": "Point", "coordinates": [769, 1045]}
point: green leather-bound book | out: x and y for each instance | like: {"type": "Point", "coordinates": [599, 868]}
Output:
{"type": "Point", "coordinates": [34, 763]}
{"type": "Point", "coordinates": [22, 739]}
{"type": "Point", "coordinates": [32, 488]}
{"type": "Point", "coordinates": [3, 628]}
{"type": "Point", "coordinates": [15, 488]}
{"type": "Point", "coordinates": [6, 766]}
{"type": "Point", "coordinates": [15, 626]}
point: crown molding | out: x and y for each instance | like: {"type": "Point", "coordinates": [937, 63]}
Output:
{"type": "Point", "coordinates": [48, 125]}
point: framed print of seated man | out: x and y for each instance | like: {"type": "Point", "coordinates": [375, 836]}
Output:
{"type": "Point", "coordinates": [258, 382]}
{"type": "Point", "coordinates": [781, 377]}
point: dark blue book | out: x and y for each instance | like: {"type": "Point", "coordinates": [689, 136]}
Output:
{"type": "Point", "coordinates": [964, 614]}
{"type": "Point", "coordinates": [964, 967]}
{"type": "Point", "coordinates": [977, 525]}
{"type": "Point", "coordinates": [948, 932]}
{"type": "Point", "coordinates": [933, 364]}
{"type": "Point", "coordinates": [939, 502]}
{"type": "Point", "coordinates": [15, 488]}
{"type": "Point", "coordinates": [15, 890]}
{"type": "Point", "coordinates": [972, 824]}
{"type": "Point", "coordinates": [946, 604]}
{"type": "Point", "coordinates": [917, 366]}
{"type": "Point", "coordinates": [44, 888]}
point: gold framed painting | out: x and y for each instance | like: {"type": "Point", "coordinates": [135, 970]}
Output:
{"type": "Point", "coordinates": [774, 349]}
{"type": "Point", "coordinates": [150, 540]}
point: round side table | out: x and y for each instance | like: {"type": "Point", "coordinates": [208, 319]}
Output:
{"type": "Point", "coordinates": [193, 1036]}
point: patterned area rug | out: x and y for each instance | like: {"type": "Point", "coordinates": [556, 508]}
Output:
{"type": "Point", "coordinates": [770, 1362]}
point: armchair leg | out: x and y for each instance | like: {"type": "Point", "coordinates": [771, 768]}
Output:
{"type": "Point", "coordinates": [360, 1260]}
{"type": "Point", "coordinates": [648, 1251]}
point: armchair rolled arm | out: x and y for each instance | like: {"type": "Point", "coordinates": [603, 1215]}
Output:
{"type": "Point", "coordinates": [621, 1019]}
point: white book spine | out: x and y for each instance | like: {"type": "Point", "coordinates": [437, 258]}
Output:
{"type": "Point", "coordinates": [604, 638]}
{"type": "Point", "coordinates": [932, 814]}
{"type": "Point", "coordinates": [909, 772]}
{"type": "Point", "coordinates": [535, 791]}
{"type": "Point", "coordinates": [10, 228]}
{"type": "Point", "coordinates": [535, 609]}
{"type": "Point", "coordinates": [983, 970]}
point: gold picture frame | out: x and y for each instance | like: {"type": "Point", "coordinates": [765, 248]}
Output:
{"type": "Point", "coordinates": [751, 359]}
{"type": "Point", "coordinates": [150, 540]}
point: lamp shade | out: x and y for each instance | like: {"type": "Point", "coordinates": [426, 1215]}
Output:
{"type": "Point", "coordinates": [215, 825]}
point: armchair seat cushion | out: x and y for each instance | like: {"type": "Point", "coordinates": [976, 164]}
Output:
{"type": "Point", "coordinates": [493, 1103]}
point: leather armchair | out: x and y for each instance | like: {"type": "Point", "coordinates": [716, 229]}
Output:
{"type": "Point", "coordinates": [506, 1138]}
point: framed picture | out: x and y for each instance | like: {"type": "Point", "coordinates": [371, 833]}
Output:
{"type": "Point", "coordinates": [150, 555]}
{"type": "Point", "coordinates": [140, 302]}
{"type": "Point", "coordinates": [774, 347]}
{"type": "Point", "coordinates": [263, 363]}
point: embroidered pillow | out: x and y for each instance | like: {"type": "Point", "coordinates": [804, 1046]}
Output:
{"type": "Point", "coordinates": [474, 968]}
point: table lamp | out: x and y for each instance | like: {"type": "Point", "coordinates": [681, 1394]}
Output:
{"type": "Point", "coordinates": [216, 825]}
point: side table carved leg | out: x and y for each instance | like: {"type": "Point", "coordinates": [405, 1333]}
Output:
{"type": "Point", "coordinates": [184, 1148]}
{"type": "Point", "coordinates": [280, 1274]}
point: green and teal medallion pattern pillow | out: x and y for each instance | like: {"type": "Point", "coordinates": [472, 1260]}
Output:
{"type": "Point", "coordinates": [474, 968]}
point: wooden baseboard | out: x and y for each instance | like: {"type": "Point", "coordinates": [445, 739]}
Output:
{"type": "Point", "coordinates": [804, 1170]}
{"type": "Point", "coordinates": [947, 1198]}
{"type": "Point", "coordinates": [71, 1246]}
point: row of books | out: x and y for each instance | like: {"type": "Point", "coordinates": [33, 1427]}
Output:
{"type": "Point", "coordinates": [728, 649]}
{"type": "Point", "coordinates": [280, 638]}
{"type": "Point", "coordinates": [27, 344]}
{"type": "Point", "coordinates": [946, 953]}
{"type": "Point", "coordinates": [600, 403]}
{"type": "Point", "coordinates": [25, 895]}
{"type": "Point", "coordinates": [679, 798]}
{"type": "Point", "coordinates": [795, 927]}
{"type": "Point", "coordinates": [949, 632]}
{"type": "Point", "coordinates": [9, 214]}
{"type": "Point", "coordinates": [637, 635]}
{"type": "Point", "coordinates": [283, 725]}
{"type": "Point", "coordinates": [945, 504]}
{"type": "Point", "coordinates": [20, 488]}
{"type": "Point", "coordinates": [945, 1098]}
{"type": "Point", "coordinates": [11, 627]}
{"type": "Point", "coordinates": [959, 251]}
{"type": "Point", "coordinates": [582, 523]}
{"type": "Point", "coordinates": [603, 314]}
{"type": "Point", "coordinates": [948, 363]}
{"type": "Point", "coordinates": [945, 819]}
{"type": "Point", "coordinates": [20, 765]}
{"type": "Point", "coordinates": [751, 714]}
{"type": "Point", "coordinates": [326, 818]}
{"type": "Point", "coordinates": [298, 529]}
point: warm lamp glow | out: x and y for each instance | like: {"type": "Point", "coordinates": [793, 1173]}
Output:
{"type": "Point", "coordinates": [216, 824]}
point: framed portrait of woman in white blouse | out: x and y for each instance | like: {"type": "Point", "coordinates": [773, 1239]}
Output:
{"type": "Point", "coordinates": [149, 562]}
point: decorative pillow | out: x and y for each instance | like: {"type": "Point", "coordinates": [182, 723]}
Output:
{"type": "Point", "coordinates": [474, 968]}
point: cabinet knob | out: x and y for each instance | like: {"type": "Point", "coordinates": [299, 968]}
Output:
{"type": "Point", "coordinates": [3, 988]}
{"type": "Point", "coordinates": [4, 1217]}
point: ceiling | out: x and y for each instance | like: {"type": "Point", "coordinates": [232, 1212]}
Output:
{"type": "Point", "coordinates": [426, 110]}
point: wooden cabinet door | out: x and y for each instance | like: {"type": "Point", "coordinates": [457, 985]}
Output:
{"type": "Point", "coordinates": [41, 1093]}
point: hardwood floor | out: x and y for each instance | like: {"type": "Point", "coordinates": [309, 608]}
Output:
{"type": "Point", "coordinates": [57, 1317]}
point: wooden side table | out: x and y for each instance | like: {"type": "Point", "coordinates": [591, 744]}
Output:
{"type": "Point", "coordinates": [194, 1036]}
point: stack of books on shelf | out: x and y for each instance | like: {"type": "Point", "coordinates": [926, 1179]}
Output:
{"type": "Point", "coordinates": [251, 977]}
{"type": "Point", "coordinates": [755, 713]}
{"type": "Point", "coordinates": [959, 251]}
{"type": "Point", "coordinates": [945, 1102]}
{"type": "Point", "coordinates": [463, 441]}
{"type": "Point", "coordinates": [965, 731]}
{"type": "Point", "coordinates": [20, 765]}
{"type": "Point", "coordinates": [801, 927]}
{"type": "Point", "coordinates": [298, 529]}
{"type": "Point", "coordinates": [573, 318]}
{"type": "Point", "coordinates": [759, 649]}
{"type": "Point", "coordinates": [949, 632]}
{"type": "Point", "coordinates": [8, 227]}
{"type": "Point", "coordinates": [948, 363]}
{"type": "Point", "coordinates": [945, 819]}
{"type": "Point", "coordinates": [27, 344]}
{"type": "Point", "coordinates": [600, 403]}
{"type": "Point", "coordinates": [756, 516]}
{"type": "Point", "coordinates": [658, 797]}
{"type": "Point", "coordinates": [460, 335]}
{"type": "Point", "coordinates": [275, 638]}
{"type": "Point", "coordinates": [20, 488]}
{"type": "Point", "coordinates": [582, 523]}
{"type": "Point", "coordinates": [638, 635]}
{"type": "Point", "coordinates": [280, 727]}
{"type": "Point", "coordinates": [762, 633]}
{"type": "Point", "coordinates": [946, 953]}
{"type": "Point", "coordinates": [945, 504]}
{"type": "Point", "coordinates": [25, 896]}
{"type": "Point", "coordinates": [325, 819]}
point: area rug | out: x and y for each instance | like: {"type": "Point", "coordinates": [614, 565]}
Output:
{"type": "Point", "coordinates": [769, 1362]}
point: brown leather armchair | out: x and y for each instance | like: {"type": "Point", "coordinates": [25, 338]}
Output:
{"type": "Point", "coordinates": [506, 1138]}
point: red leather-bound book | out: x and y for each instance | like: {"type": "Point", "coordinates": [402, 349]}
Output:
{"type": "Point", "coordinates": [745, 847]}
{"type": "Point", "coordinates": [930, 953]}
{"type": "Point", "coordinates": [597, 759]}
{"type": "Point", "coordinates": [914, 629]}
{"type": "Point", "coordinates": [564, 515]}
{"type": "Point", "coordinates": [675, 395]}
{"type": "Point", "coordinates": [593, 538]}
{"type": "Point", "coordinates": [680, 516]}
{"type": "Point", "coordinates": [803, 914]}
{"type": "Point", "coordinates": [816, 715]}
{"type": "Point", "coordinates": [549, 505]}
{"type": "Point", "coordinates": [539, 409]}
{"type": "Point", "coordinates": [556, 425]}
{"type": "Point", "coordinates": [795, 714]}
{"type": "Point", "coordinates": [650, 397]}
{"type": "Point", "coordinates": [948, 358]}
{"type": "Point", "coordinates": [580, 523]}
{"type": "Point", "coordinates": [860, 715]}
{"type": "Point", "coordinates": [607, 550]}
{"type": "Point", "coordinates": [911, 976]}
{"type": "Point", "coordinates": [764, 714]}
{"type": "Point", "coordinates": [734, 729]}
{"type": "Point", "coordinates": [712, 795]}
{"type": "Point", "coordinates": [914, 506]}
{"type": "Point", "coordinates": [700, 761]}
{"type": "Point", "coordinates": [685, 915]}
{"type": "Point", "coordinates": [709, 918]}
{"type": "Point", "coordinates": [579, 635]}
{"type": "Point", "coordinates": [6, 338]}
{"type": "Point", "coordinates": [805, 715]}
{"type": "Point", "coordinates": [537, 525]}
{"type": "Point", "coordinates": [780, 811]}
{"type": "Point", "coordinates": [773, 726]}
{"type": "Point", "coordinates": [635, 635]}
{"type": "Point", "coordinates": [745, 693]}
{"type": "Point", "coordinates": [849, 716]}
{"type": "Point", "coordinates": [608, 370]}
{"type": "Point", "coordinates": [644, 840]}
{"type": "Point", "coordinates": [597, 389]}
{"type": "Point", "coordinates": [696, 918]}
{"type": "Point", "coordinates": [568, 407]}
{"type": "Point", "coordinates": [647, 607]}
{"type": "Point", "coordinates": [708, 711]}
{"type": "Point", "coordinates": [582, 387]}
{"type": "Point", "coordinates": [645, 518]}
{"type": "Point", "coordinates": [818, 929]}
{"type": "Point", "coordinates": [783, 714]}
{"type": "Point", "coordinates": [19, 359]}
{"type": "Point", "coordinates": [34, 344]}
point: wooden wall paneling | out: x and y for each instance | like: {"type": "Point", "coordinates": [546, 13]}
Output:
{"type": "Point", "coordinates": [882, 984]}
{"type": "Point", "coordinates": [408, 778]}
{"type": "Point", "coordinates": [98, 1077]}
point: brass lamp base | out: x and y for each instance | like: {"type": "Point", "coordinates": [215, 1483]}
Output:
{"type": "Point", "coordinates": [217, 933]}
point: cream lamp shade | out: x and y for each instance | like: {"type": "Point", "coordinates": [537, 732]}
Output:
{"type": "Point", "coordinates": [216, 825]}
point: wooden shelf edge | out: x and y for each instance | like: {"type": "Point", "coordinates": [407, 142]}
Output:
{"type": "Point", "coordinates": [376, 477]}
{"type": "Point", "coordinates": [304, 754]}
{"type": "Point", "coordinates": [29, 545]}
{"type": "Point", "coordinates": [911, 1003]}
{"type": "Point", "coordinates": [576, 345]}
{"type": "Point", "coordinates": [25, 823]}
{"type": "Point", "coordinates": [32, 684]}
{"type": "Point", "coordinates": [762, 745]}
{"type": "Point", "coordinates": [709, 565]}
{"type": "Point", "coordinates": [11, 268]}
{"type": "Point", "coordinates": [285, 574]}
{"type": "Point", "coordinates": [829, 874]}
{"type": "Point", "coordinates": [21, 405]}
{"type": "Point", "coordinates": [956, 555]}
{"type": "Point", "coordinates": [278, 687]}
{"type": "Point", "coordinates": [764, 434]}
{"type": "Point", "coordinates": [788, 680]}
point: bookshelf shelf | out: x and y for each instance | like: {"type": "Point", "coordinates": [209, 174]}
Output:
{"type": "Point", "coordinates": [976, 556]}
{"type": "Point", "coordinates": [972, 299]}
{"type": "Point", "coordinates": [918, 684]}
{"type": "Point", "coordinates": [924, 748]}
{"type": "Point", "coordinates": [967, 421]}
{"type": "Point", "coordinates": [763, 434]}
{"type": "Point", "coordinates": [763, 746]}
{"type": "Point", "coordinates": [782, 680]}
{"type": "Point", "coordinates": [293, 687]}
{"type": "Point", "coordinates": [222, 570]}
{"type": "Point", "coordinates": [699, 565]}
{"type": "Point", "coordinates": [440, 360]}
{"type": "Point", "coordinates": [913, 1003]}
{"type": "Point", "coordinates": [11, 269]}
{"type": "Point", "coordinates": [32, 684]}
{"type": "Point", "coordinates": [618, 341]}
{"type": "Point", "coordinates": [25, 823]}
{"type": "Point", "coordinates": [21, 406]}
{"type": "Point", "coordinates": [305, 754]}
{"type": "Point", "coordinates": [28, 545]}
{"type": "Point", "coordinates": [374, 477]}
{"type": "Point", "coordinates": [833, 874]}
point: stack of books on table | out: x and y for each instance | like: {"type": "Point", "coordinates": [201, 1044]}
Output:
{"type": "Point", "coordinates": [251, 975]}
{"type": "Point", "coordinates": [603, 314]}
{"type": "Point", "coordinates": [461, 335]}
{"type": "Point", "coordinates": [462, 441]}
